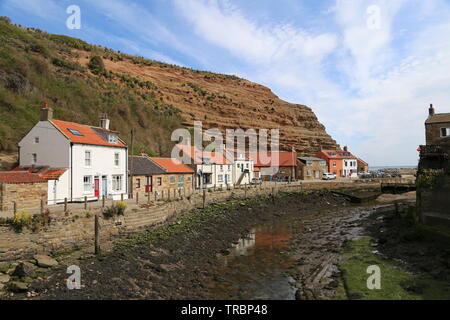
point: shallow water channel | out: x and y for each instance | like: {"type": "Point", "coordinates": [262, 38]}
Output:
{"type": "Point", "coordinates": [256, 266]}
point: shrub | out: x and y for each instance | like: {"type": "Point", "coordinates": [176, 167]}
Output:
{"type": "Point", "coordinates": [121, 207]}
{"type": "Point", "coordinates": [96, 65]}
{"type": "Point", "coordinates": [117, 209]}
{"type": "Point", "coordinates": [5, 19]}
{"type": "Point", "coordinates": [22, 219]}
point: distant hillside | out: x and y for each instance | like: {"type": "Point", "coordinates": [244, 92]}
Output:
{"type": "Point", "coordinates": [80, 81]}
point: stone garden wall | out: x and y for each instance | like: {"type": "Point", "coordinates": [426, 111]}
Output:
{"type": "Point", "coordinates": [76, 229]}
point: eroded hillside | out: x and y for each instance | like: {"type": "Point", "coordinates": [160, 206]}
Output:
{"type": "Point", "coordinates": [152, 97]}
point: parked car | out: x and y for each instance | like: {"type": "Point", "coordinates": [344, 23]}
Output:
{"type": "Point", "coordinates": [328, 176]}
{"type": "Point", "coordinates": [256, 181]}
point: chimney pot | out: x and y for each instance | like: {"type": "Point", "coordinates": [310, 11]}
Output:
{"type": "Point", "coordinates": [46, 113]}
{"type": "Point", "coordinates": [431, 110]}
{"type": "Point", "coordinates": [104, 121]}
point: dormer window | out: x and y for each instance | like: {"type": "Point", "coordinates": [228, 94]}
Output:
{"type": "Point", "coordinates": [112, 138]}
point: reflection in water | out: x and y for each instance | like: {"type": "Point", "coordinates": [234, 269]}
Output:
{"type": "Point", "coordinates": [256, 266]}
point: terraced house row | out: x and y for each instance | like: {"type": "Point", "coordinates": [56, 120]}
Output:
{"type": "Point", "coordinates": [63, 161]}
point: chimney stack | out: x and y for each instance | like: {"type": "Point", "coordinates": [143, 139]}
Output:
{"type": "Point", "coordinates": [431, 110]}
{"type": "Point", "coordinates": [46, 113]}
{"type": "Point", "coordinates": [104, 121]}
{"type": "Point", "coordinates": [346, 149]}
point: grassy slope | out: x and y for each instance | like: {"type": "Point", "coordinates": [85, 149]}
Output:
{"type": "Point", "coordinates": [35, 67]}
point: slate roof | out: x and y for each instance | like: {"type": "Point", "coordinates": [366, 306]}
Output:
{"type": "Point", "coordinates": [438, 118]}
{"type": "Point", "coordinates": [310, 159]}
{"type": "Point", "coordinates": [141, 165]}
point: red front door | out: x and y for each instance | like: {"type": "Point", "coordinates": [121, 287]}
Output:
{"type": "Point", "coordinates": [148, 185]}
{"type": "Point", "coordinates": [97, 187]}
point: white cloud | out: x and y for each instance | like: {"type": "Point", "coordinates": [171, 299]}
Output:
{"type": "Point", "coordinates": [370, 87]}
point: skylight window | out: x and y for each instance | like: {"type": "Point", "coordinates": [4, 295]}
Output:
{"type": "Point", "coordinates": [75, 132]}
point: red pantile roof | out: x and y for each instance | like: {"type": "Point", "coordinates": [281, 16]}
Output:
{"type": "Point", "coordinates": [88, 134]}
{"type": "Point", "coordinates": [43, 172]}
{"type": "Point", "coordinates": [336, 154]}
{"type": "Point", "coordinates": [285, 159]}
{"type": "Point", "coordinates": [14, 177]}
{"type": "Point", "coordinates": [172, 165]}
{"type": "Point", "coordinates": [197, 156]}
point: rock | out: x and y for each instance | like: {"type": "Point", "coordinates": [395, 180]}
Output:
{"type": "Point", "coordinates": [17, 286]}
{"type": "Point", "coordinates": [4, 267]}
{"type": "Point", "coordinates": [45, 261]}
{"type": "Point", "coordinates": [4, 278]}
{"type": "Point", "coordinates": [24, 269]}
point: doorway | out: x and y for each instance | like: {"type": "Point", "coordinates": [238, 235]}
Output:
{"type": "Point", "coordinates": [105, 186]}
{"type": "Point", "coordinates": [97, 187]}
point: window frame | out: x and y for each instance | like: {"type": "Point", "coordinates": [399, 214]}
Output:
{"type": "Point", "coordinates": [87, 184]}
{"type": "Point", "coordinates": [86, 159]}
{"type": "Point", "coordinates": [116, 159]}
{"type": "Point", "coordinates": [447, 129]}
{"type": "Point", "coordinates": [117, 182]}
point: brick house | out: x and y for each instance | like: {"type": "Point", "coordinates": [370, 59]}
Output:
{"type": "Point", "coordinates": [159, 175]}
{"type": "Point", "coordinates": [24, 188]}
{"type": "Point", "coordinates": [437, 126]}
{"type": "Point", "coordinates": [340, 162]}
{"type": "Point", "coordinates": [311, 168]}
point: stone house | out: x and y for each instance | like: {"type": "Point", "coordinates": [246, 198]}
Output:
{"type": "Point", "coordinates": [94, 159]}
{"type": "Point", "coordinates": [311, 168]}
{"type": "Point", "coordinates": [160, 175]}
{"type": "Point", "coordinates": [282, 165]}
{"type": "Point", "coordinates": [362, 165]}
{"type": "Point", "coordinates": [24, 188]}
{"type": "Point", "coordinates": [178, 176]}
{"type": "Point", "coordinates": [437, 126]}
{"type": "Point", "coordinates": [433, 176]}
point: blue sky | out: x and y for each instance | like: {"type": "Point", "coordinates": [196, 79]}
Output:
{"type": "Point", "coordinates": [369, 75]}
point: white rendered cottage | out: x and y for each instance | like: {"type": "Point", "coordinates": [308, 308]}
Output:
{"type": "Point", "coordinates": [95, 158]}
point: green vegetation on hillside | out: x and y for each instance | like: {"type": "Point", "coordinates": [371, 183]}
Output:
{"type": "Point", "coordinates": [38, 67]}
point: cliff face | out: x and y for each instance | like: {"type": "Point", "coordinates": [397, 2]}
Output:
{"type": "Point", "coordinates": [152, 97]}
{"type": "Point", "coordinates": [228, 102]}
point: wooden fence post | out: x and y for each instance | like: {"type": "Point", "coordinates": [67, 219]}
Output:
{"type": "Point", "coordinates": [42, 206]}
{"type": "Point", "coordinates": [148, 197]}
{"type": "Point", "coordinates": [121, 197]}
{"type": "Point", "coordinates": [137, 197]}
{"type": "Point", "coordinates": [245, 190]}
{"type": "Point", "coordinates": [65, 204]}
{"type": "Point", "coordinates": [156, 195]}
{"type": "Point", "coordinates": [85, 203]}
{"type": "Point", "coordinates": [103, 201]}
{"type": "Point", "coordinates": [15, 207]}
{"type": "Point", "coordinates": [204, 198]}
{"type": "Point", "coordinates": [97, 234]}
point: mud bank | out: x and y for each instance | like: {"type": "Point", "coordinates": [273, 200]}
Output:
{"type": "Point", "coordinates": [177, 261]}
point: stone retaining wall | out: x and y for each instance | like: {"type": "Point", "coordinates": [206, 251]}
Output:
{"type": "Point", "coordinates": [76, 229]}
